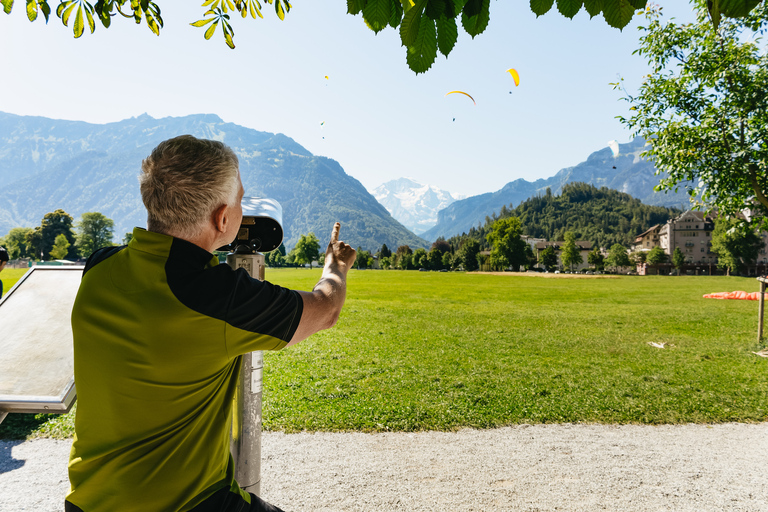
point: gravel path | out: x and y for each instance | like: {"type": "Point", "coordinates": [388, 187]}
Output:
{"type": "Point", "coordinates": [521, 468]}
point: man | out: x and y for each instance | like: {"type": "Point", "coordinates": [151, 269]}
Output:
{"type": "Point", "coordinates": [3, 262]}
{"type": "Point", "coordinates": [159, 330]}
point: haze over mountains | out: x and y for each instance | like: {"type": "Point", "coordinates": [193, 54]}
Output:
{"type": "Point", "coordinates": [412, 203]}
{"type": "Point", "coordinates": [80, 167]}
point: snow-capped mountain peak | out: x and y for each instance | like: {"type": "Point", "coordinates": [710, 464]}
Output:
{"type": "Point", "coordinates": [413, 204]}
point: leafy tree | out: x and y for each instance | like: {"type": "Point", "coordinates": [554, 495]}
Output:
{"type": "Point", "coordinates": [385, 262]}
{"type": "Point", "coordinates": [447, 260]}
{"type": "Point", "coordinates": [656, 256]}
{"type": "Point", "coordinates": [467, 254]}
{"type": "Point", "coordinates": [60, 247]}
{"type": "Point", "coordinates": [569, 252]}
{"type": "Point", "coordinates": [530, 258]}
{"type": "Point", "coordinates": [508, 246]}
{"type": "Point", "coordinates": [678, 258]}
{"type": "Point", "coordinates": [420, 258]}
{"type": "Point", "coordinates": [441, 245]}
{"type": "Point", "coordinates": [385, 252]}
{"type": "Point", "coordinates": [43, 237]}
{"type": "Point", "coordinates": [425, 26]}
{"type": "Point", "coordinates": [127, 238]}
{"type": "Point", "coordinates": [617, 257]}
{"type": "Point", "coordinates": [704, 108]}
{"type": "Point", "coordinates": [595, 258]}
{"type": "Point", "coordinates": [94, 230]}
{"type": "Point", "coordinates": [548, 257]}
{"type": "Point", "coordinates": [307, 249]}
{"type": "Point", "coordinates": [435, 259]}
{"type": "Point", "coordinates": [16, 243]}
{"type": "Point", "coordinates": [403, 257]}
{"type": "Point", "coordinates": [363, 259]}
{"type": "Point", "coordinates": [735, 244]}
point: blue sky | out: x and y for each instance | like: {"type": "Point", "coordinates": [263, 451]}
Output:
{"type": "Point", "coordinates": [380, 120]}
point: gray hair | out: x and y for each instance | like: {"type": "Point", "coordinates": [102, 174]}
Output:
{"type": "Point", "coordinates": [184, 180]}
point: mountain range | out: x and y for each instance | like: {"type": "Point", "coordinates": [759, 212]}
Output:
{"type": "Point", "coordinates": [412, 203]}
{"type": "Point", "coordinates": [624, 171]}
{"type": "Point", "coordinates": [81, 167]}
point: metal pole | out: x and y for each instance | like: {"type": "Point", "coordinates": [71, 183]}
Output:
{"type": "Point", "coordinates": [760, 308]}
{"type": "Point", "coordinates": [246, 415]}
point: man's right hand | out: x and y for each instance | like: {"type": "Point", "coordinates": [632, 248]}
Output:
{"type": "Point", "coordinates": [338, 252]}
{"type": "Point", "coordinates": [323, 304]}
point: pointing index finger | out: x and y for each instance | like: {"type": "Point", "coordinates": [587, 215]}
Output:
{"type": "Point", "coordinates": [335, 233]}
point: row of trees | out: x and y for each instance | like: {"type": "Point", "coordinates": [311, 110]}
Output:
{"type": "Point", "coordinates": [59, 237]}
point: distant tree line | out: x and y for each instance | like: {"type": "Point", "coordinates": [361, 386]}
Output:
{"type": "Point", "coordinates": [59, 237]}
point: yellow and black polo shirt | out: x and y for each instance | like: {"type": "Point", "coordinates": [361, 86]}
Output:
{"type": "Point", "coordinates": [159, 330]}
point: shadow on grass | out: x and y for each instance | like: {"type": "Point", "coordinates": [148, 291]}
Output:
{"type": "Point", "coordinates": [20, 426]}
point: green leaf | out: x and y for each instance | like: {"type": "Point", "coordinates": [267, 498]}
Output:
{"type": "Point", "coordinates": [78, 26]}
{"type": "Point", "coordinates": [46, 9]}
{"type": "Point", "coordinates": [32, 10]}
{"type": "Point", "coordinates": [447, 34]}
{"type": "Point", "coordinates": [152, 24]}
{"type": "Point", "coordinates": [618, 13]}
{"type": "Point", "coordinates": [279, 10]}
{"type": "Point", "coordinates": [209, 33]}
{"type": "Point", "coordinates": [377, 14]}
{"type": "Point", "coordinates": [421, 55]}
{"type": "Point", "coordinates": [355, 6]}
{"type": "Point", "coordinates": [477, 23]}
{"type": "Point", "coordinates": [435, 8]}
{"type": "Point", "coordinates": [593, 7]}
{"type": "Point", "coordinates": [737, 8]}
{"type": "Point", "coordinates": [473, 7]}
{"type": "Point", "coordinates": [89, 17]}
{"type": "Point", "coordinates": [409, 28]}
{"type": "Point", "coordinates": [67, 11]}
{"type": "Point", "coordinates": [202, 23]}
{"type": "Point", "coordinates": [714, 12]}
{"type": "Point", "coordinates": [7, 6]}
{"type": "Point", "coordinates": [569, 8]}
{"type": "Point", "coordinates": [228, 4]}
{"type": "Point", "coordinates": [397, 15]}
{"type": "Point", "coordinates": [255, 9]}
{"type": "Point", "coordinates": [638, 4]}
{"type": "Point", "coordinates": [540, 7]}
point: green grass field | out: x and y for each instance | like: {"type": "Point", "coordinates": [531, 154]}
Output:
{"type": "Point", "coordinates": [441, 351]}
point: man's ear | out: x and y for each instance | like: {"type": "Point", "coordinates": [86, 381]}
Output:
{"type": "Point", "coordinates": [220, 218]}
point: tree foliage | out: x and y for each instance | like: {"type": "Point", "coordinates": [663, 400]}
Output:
{"type": "Point", "coordinates": [43, 237]}
{"type": "Point", "coordinates": [678, 258]}
{"type": "Point", "coordinates": [735, 244]}
{"type": "Point", "coordinates": [618, 257]}
{"type": "Point", "coordinates": [548, 257]}
{"type": "Point", "coordinates": [94, 230]}
{"type": "Point", "coordinates": [704, 108]}
{"type": "Point", "coordinates": [656, 256]}
{"type": "Point", "coordinates": [596, 258]}
{"type": "Point", "coordinates": [426, 27]}
{"type": "Point", "coordinates": [603, 216]}
{"type": "Point", "coordinates": [508, 247]}
{"type": "Point", "coordinates": [17, 244]}
{"type": "Point", "coordinates": [60, 247]}
{"type": "Point", "coordinates": [307, 249]}
{"type": "Point", "coordinates": [467, 254]}
{"type": "Point", "coordinates": [569, 252]}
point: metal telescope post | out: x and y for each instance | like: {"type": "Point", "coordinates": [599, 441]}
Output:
{"type": "Point", "coordinates": [261, 229]}
{"type": "Point", "coordinates": [246, 417]}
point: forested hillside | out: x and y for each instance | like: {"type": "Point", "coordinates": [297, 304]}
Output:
{"type": "Point", "coordinates": [601, 215]}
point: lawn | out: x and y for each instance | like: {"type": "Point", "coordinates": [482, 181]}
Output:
{"type": "Point", "coordinates": [441, 351]}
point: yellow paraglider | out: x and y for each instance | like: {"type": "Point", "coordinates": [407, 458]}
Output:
{"type": "Point", "coordinates": [515, 76]}
{"type": "Point", "coordinates": [465, 94]}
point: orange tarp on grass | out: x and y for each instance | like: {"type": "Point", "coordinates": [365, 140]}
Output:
{"type": "Point", "coordinates": [734, 295]}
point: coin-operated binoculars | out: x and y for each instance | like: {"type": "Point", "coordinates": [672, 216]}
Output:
{"type": "Point", "coordinates": [260, 231]}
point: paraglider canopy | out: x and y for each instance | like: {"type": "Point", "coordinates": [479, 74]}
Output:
{"type": "Point", "coordinates": [515, 76]}
{"type": "Point", "coordinates": [462, 92]}
{"type": "Point", "coordinates": [614, 147]}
